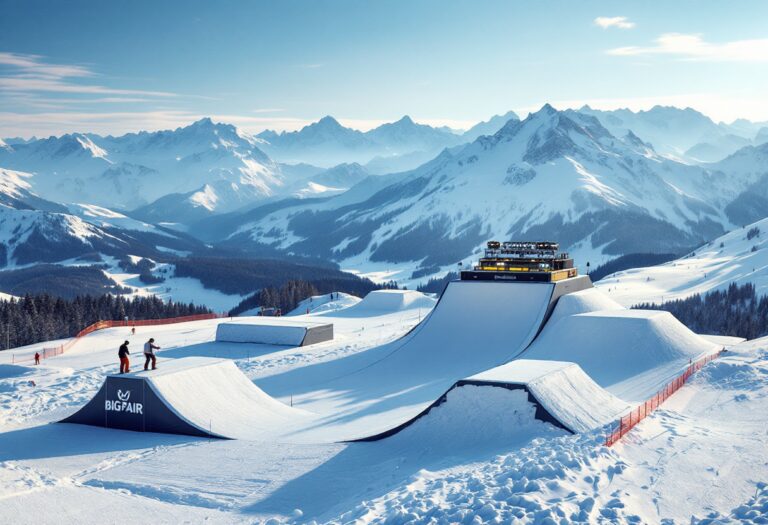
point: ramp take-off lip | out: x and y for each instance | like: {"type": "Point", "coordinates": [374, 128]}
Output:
{"type": "Point", "coordinates": [194, 396]}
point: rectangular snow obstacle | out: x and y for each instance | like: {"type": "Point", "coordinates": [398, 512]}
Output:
{"type": "Point", "coordinates": [195, 396]}
{"type": "Point", "coordinates": [274, 332]}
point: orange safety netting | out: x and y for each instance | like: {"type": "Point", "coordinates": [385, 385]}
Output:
{"type": "Point", "coordinates": [45, 353]}
{"type": "Point", "coordinates": [626, 423]}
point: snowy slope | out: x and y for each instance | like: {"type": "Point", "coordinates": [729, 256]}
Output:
{"type": "Point", "coordinates": [35, 230]}
{"type": "Point", "coordinates": [732, 258]}
{"type": "Point", "coordinates": [557, 175]}
{"type": "Point", "coordinates": [135, 169]}
{"type": "Point", "coordinates": [324, 303]}
{"type": "Point", "coordinates": [106, 218]}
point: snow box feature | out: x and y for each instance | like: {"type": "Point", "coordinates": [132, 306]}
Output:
{"type": "Point", "coordinates": [273, 332]}
{"type": "Point", "coordinates": [195, 396]}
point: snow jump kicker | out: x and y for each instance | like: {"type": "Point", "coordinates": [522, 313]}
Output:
{"type": "Point", "coordinates": [194, 396]}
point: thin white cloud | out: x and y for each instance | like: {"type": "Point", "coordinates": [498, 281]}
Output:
{"type": "Point", "coordinates": [694, 47]}
{"type": "Point", "coordinates": [50, 85]}
{"type": "Point", "coordinates": [34, 65]}
{"type": "Point", "coordinates": [33, 74]}
{"type": "Point", "coordinates": [619, 22]}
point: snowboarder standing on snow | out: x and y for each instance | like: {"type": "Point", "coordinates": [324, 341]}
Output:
{"type": "Point", "coordinates": [123, 353]}
{"type": "Point", "coordinates": [37, 358]}
{"type": "Point", "coordinates": [149, 353]}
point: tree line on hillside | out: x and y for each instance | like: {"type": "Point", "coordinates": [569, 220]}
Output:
{"type": "Point", "coordinates": [288, 296]}
{"type": "Point", "coordinates": [736, 311]}
{"type": "Point", "coordinates": [35, 318]}
{"type": "Point", "coordinates": [244, 276]}
{"type": "Point", "coordinates": [59, 281]}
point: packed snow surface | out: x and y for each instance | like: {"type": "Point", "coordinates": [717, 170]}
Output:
{"type": "Point", "coordinates": [631, 353]}
{"type": "Point", "coordinates": [583, 301]}
{"type": "Point", "coordinates": [701, 456]}
{"type": "Point", "coordinates": [215, 396]}
{"type": "Point", "coordinates": [563, 390]}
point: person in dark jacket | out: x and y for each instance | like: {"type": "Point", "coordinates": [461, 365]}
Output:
{"type": "Point", "coordinates": [123, 353]}
{"type": "Point", "coordinates": [149, 353]}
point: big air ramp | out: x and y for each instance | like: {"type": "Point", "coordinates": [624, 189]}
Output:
{"type": "Point", "coordinates": [196, 396]}
{"type": "Point", "coordinates": [554, 392]}
{"type": "Point", "coordinates": [474, 326]}
{"type": "Point", "coordinates": [283, 332]}
{"type": "Point", "coordinates": [631, 353]}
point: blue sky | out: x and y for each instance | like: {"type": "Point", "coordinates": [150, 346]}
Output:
{"type": "Point", "coordinates": [112, 67]}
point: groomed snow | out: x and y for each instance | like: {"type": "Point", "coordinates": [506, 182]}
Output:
{"type": "Point", "coordinates": [631, 353]}
{"type": "Point", "coordinates": [216, 397]}
{"type": "Point", "coordinates": [583, 301]}
{"type": "Point", "coordinates": [563, 389]}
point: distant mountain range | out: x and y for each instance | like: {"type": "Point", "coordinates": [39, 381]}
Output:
{"type": "Point", "coordinates": [328, 143]}
{"type": "Point", "coordinates": [556, 174]}
{"type": "Point", "coordinates": [404, 200]}
{"type": "Point", "coordinates": [684, 134]}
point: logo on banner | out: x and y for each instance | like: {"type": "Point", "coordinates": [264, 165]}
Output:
{"type": "Point", "coordinates": [121, 404]}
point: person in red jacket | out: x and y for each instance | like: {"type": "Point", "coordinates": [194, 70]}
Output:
{"type": "Point", "coordinates": [37, 358]}
{"type": "Point", "coordinates": [125, 363]}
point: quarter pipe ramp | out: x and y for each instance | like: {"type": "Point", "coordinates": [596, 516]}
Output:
{"type": "Point", "coordinates": [196, 396]}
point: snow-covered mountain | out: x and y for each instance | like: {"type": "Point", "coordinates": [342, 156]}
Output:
{"type": "Point", "coordinates": [489, 127]}
{"type": "Point", "coordinates": [33, 230]}
{"type": "Point", "coordinates": [135, 169]}
{"type": "Point", "coordinates": [740, 256]}
{"type": "Point", "coordinates": [748, 164]}
{"type": "Point", "coordinates": [684, 134]}
{"type": "Point", "coordinates": [328, 143]}
{"type": "Point", "coordinates": [559, 175]}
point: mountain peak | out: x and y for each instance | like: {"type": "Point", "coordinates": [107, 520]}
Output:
{"type": "Point", "coordinates": [405, 120]}
{"type": "Point", "coordinates": [328, 122]}
{"type": "Point", "coordinates": [204, 122]}
{"type": "Point", "coordinates": [547, 109]}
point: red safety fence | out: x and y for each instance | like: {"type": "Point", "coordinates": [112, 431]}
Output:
{"type": "Point", "coordinates": [100, 325]}
{"type": "Point", "coordinates": [628, 422]}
